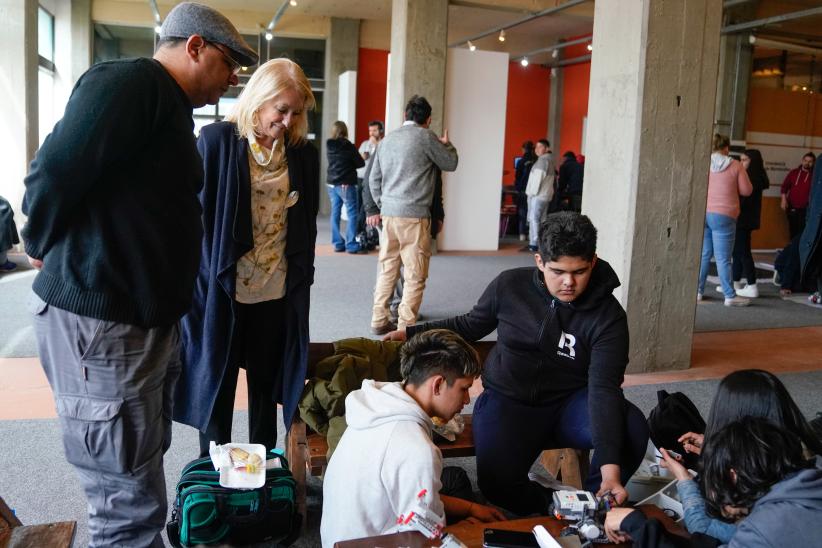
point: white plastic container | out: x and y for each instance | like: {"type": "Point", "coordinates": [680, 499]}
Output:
{"type": "Point", "coordinates": [231, 477]}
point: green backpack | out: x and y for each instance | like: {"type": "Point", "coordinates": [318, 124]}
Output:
{"type": "Point", "coordinates": [206, 513]}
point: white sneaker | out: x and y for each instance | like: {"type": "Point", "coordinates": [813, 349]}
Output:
{"type": "Point", "coordinates": [737, 301]}
{"type": "Point", "coordinates": [698, 297]}
{"type": "Point", "coordinates": [719, 288]}
{"type": "Point", "coordinates": [750, 291]}
{"type": "Point", "coordinates": [523, 237]}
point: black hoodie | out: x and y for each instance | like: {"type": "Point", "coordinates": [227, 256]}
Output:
{"type": "Point", "coordinates": [546, 349]}
{"type": "Point", "coordinates": [343, 161]}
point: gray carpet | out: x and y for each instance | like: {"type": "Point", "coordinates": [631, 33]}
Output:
{"type": "Point", "coordinates": [36, 481]}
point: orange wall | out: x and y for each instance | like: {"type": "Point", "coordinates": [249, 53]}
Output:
{"type": "Point", "coordinates": [576, 79]}
{"type": "Point", "coordinates": [372, 80]}
{"type": "Point", "coordinates": [782, 111]}
{"type": "Point", "coordinates": [526, 111]}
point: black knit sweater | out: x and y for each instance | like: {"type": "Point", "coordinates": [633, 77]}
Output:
{"type": "Point", "coordinates": [111, 198]}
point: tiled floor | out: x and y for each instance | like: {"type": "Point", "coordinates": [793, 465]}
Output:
{"type": "Point", "coordinates": [26, 394]}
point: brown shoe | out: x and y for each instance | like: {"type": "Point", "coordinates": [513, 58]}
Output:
{"type": "Point", "coordinates": [383, 329]}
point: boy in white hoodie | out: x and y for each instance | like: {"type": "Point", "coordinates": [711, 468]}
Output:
{"type": "Point", "coordinates": [387, 456]}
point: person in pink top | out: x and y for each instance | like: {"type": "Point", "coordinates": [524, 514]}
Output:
{"type": "Point", "coordinates": [726, 182]}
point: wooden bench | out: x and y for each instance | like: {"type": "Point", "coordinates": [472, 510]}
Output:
{"type": "Point", "coordinates": [14, 534]}
{"type": "Point", "coordinates": [306, 450]}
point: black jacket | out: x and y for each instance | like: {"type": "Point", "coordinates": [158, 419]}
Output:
{"type": "Point", "coordinates": [570, 178]}
{"type": "Point", "coordinates": [343, 161]}
{"type": "Point", "coordinates": [547, 349]}
{"type": "Point", "coordinates": [750, 207]}
{"type": "Point", "coordinates": [111, 198]}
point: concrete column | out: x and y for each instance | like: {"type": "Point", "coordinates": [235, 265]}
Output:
{"type": "Point", "coordinates": [653, 86]}
{"type": "Point", "coordinates": [18, 96]}
{"type": "Point", "coordinates": [342, 53]}
{"type": "Point", "coordinates": [555, 110]}
{"type": "Point", "coordinates": [419, 32]}
{"type": "Point", "coordinates": [735, 64]}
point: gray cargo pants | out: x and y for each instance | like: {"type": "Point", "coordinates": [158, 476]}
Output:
{"type": "Point", "coordinates": [113, 385]}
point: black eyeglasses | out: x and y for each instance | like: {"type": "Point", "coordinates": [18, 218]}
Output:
{"type": "Point", "coordinates": [232, 64]}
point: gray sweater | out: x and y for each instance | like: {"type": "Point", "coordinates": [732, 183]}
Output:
{"type": "Point", "coordinates": [403, 172]}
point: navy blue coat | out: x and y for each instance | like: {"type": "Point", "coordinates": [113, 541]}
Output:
{"type": "Point", "coordinates": [228, 235]}
{"type": "Point", "coordinates": [809, 251]}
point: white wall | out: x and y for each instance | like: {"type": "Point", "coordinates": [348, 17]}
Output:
{"type": "Point", "coordinates": [476, 89]}
{"type": "Point", "coordinates": [347, 101]}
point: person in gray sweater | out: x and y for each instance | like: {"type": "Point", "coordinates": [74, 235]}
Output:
{"type": "Point", "coordinates": [402, 182]}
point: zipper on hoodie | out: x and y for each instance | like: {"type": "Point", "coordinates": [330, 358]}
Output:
{"type": "Point", "coordinates": [552, 310]}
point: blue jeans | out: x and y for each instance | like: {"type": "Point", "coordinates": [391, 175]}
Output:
{"type": "Point", "coordinates": [509, 436]}
{"type": "Point", "coordinates": [349, 198]}
{"type": "Point", "coordinates": [718, 241]}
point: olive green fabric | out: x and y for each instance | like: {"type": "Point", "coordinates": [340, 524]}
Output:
{"type": "Point", "coordinates": [322, 405]}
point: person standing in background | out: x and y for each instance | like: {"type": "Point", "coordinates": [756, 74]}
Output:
{"type": "Point", "coordinates": [540, 191]}
{"type": "Point", "coordinates": [343, 162]}
{"type": "Point", "coordinates": [522, 170]}
{"type": "Point", "coordinates": [402, 181]}
{"type": "Point", "coordinates": [750, 208]}
{"type": "Point", "coordinates": [796, 190]}
{"type": "Point", "coordinates": [727, 181]}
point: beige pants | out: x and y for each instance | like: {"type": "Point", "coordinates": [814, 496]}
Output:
{"type": "Point", "coordinates": [403, 241]}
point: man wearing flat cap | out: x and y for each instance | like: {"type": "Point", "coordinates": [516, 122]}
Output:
{"type": "Point", "coordinates": [114, 228]}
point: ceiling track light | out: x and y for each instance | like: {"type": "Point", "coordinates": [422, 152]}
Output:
{"type": "Point", "coordinates": [293, 3]}
{"type": "Point", "coordinates": [524, 62]}
{"type": "Point", "coordinates": [590, 47]}
{"type": "Point", "coordinates": [502, 35]}
{"type": "Point", "coordinates": [269, 36]}
{"type": "Point", "coordinates": [471, 46]}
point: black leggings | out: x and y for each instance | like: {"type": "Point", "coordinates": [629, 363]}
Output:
{"type": "Point", "coordinates": [743, 263]}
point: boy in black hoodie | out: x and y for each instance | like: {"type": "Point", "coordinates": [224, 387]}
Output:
{"type": "Point", "coordinates": [554, 377]}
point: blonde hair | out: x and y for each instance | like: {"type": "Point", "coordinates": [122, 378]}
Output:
{"type": "Point", "coordinates": [720, 142]}
{"type": "Point", "coordinates": [268, 81]}
{"type": "Point", "coordinates": [339, 129]}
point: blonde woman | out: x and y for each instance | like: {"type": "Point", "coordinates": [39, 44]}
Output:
{"type": "Point", "coordinates": [251, 299]}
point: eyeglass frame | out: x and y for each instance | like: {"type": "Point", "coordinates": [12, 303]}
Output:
{"type": "Point", "coordinates": [234, 65]}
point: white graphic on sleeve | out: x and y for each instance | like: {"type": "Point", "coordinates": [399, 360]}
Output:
{"type": "Point", "coordinates": [567, 342]}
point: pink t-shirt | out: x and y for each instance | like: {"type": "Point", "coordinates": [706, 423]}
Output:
{"type": "Point", "coordinates": [725, 187]}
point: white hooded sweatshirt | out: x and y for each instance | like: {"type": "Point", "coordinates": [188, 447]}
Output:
{"type": "Point", "coordinates": [383, 461]}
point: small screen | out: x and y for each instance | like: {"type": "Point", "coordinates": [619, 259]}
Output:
{"type": "Point", "coordinates": [583, 497]}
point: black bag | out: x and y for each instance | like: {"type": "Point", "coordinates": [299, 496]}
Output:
{"type": "Point", "coordinates": [675, 414]}
{"type": "Point", "coordinates": [206, 513]}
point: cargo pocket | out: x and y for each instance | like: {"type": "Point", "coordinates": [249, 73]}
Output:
{"type": "Point", "coordinates": [93, 433]}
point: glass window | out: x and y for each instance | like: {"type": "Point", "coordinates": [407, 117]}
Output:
{"type": "Point", "coordinates": [45, 38]}
{"type": "Point", "coordinates": [45, 106]}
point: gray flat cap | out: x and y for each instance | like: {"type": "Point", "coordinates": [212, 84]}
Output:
{"type": "Point", "coordinates": [189, 18]}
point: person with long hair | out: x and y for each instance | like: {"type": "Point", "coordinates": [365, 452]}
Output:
{"type": "Point", "coordinates": [746, 393]}
{"type": "Point", "coordinates": [726, 182]}
{"type": "Point", "coordinates": [755, 474]}
{"type": "Point", "coordinates": [750, 208]}
{"type": "Point", "coordinates": [252, 293]}
{"type": "Point", "coordinates": [343, 161]}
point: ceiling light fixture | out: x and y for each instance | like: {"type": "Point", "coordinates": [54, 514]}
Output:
{"type": "Point", "coordinates": [158, 28]}
{"type": "Point", "coordinates": [524, 62]}
{"type": "Point", "coordinates": [590, 47]}
{"type": "Point", "coordinates": [471, 46]}
{"type": "Point", "coordinates": [293, 3]}
{"type": "Point", "coordinates": [555, 54]}
{"type": "Point", "coordinates": [269, 36]}
{"type": "Point", "coordinates": [502, 35]}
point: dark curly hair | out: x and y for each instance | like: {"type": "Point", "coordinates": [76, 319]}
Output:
{"type": "Point", "coordinates": [567, 234]}
{"type": "Point", "coordinates": [760, 453]}
{"type": "Point", "coordinates": [438, 352]}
